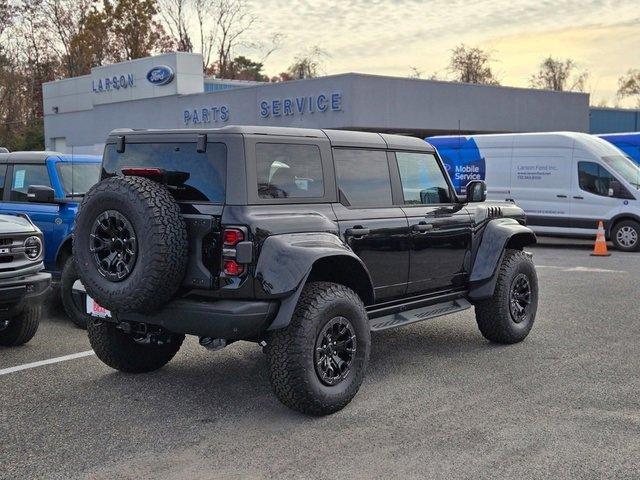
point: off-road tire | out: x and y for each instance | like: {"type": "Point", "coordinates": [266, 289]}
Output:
{"type": "Point", "coordinates": [494, 316]}
{"type": "Point", "coordinates": [290, 351]}
{"type": "Point", "coordinates": [120, 351]}
{"type": "Point", "coordinates": [162, 247]}
{"type": "Point", "coordinates": [626, 224]}
{"type": "Point", "coordinates": [23, 325]}
{"type": "Point", "coordinates": [76, 313]}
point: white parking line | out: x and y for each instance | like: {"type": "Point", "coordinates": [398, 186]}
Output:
{"type": "Point", "coordinates": [27, 366]}
{"type": "Point", "coordinates": [581, 269]}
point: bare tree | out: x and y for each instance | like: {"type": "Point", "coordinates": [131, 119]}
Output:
{"type": "Point", "coordinates": [472, 65]}
{"type": "Point", "coordinates": [414, 72]}
{"type": "Point", "coordinates": [174, 14]}
{"type": "Point", "coordinates": [307, 65]}
{"type": "Point", "coordinates": [233, 19]}
{"type": "Point", "coordinates": [64, 22]}
{"type": "Point", "coordinates": [559, 75]}
{"type": "Point", "coordinates": [629, 84]}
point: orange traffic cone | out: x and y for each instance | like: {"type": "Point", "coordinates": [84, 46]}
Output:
{"type": "Point", "coordinates": [600, 247]}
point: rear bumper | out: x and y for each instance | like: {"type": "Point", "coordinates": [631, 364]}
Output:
{"type": "Point", "coordinates": [13, 290]}
{"type": "Point", "coordinates": [228, 319]}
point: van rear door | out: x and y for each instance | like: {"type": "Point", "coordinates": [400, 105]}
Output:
{"type": "Point", "coordinates": [541, 184]}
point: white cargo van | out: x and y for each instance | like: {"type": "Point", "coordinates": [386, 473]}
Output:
{"type": "Point", "coordinates": [566, 182]}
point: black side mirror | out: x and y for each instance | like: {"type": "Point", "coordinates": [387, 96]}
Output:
{"type": "Point", "coordinates": [476, 191]}
{"type": "Point", "coordinates": [41, 194]}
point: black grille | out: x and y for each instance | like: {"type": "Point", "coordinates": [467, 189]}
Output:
{"type": "Point", "coordinates": [7, 259]}
{"type": "Point", "coordinates": [5, 241]}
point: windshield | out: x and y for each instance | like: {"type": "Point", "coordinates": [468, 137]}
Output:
{"type": "Point", "coordinates": [78, 178]}
{"type": "Point", "coordinates": [625, 168]}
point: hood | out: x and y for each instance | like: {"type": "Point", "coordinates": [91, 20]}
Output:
{"type": "Point", "coordinates": [13, 224]}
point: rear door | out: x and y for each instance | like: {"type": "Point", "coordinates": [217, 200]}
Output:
{"type": "Point", "coordinates": [440, 228]}
{"type": "Point", "coordinates": [370, 223]}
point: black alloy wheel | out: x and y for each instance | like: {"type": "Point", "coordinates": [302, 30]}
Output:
{"type": "Point", "coordinates": [335, 350]}
{"type": "Point", "coordinates": [113, 245]}
{"type": "Point", "coordinates": [520, 298]}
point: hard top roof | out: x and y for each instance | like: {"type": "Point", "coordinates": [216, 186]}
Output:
{"type": "Point", "coordinates": [342, 138]}
{"type": "Point", "coordinates": [41, 156]}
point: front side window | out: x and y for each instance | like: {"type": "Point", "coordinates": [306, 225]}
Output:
{"type": "Point", "coordinates": [78, 178]}
{"type": "Point", "coordinates": [195, 176]}
{"type": "Point", "coordinates": [23, 177]}
{"type": "Point", "coordinates": [594, 178]}
{"type": "Point", "coordinates": [422, 179]}
{"type": "Point", "coordinates": [287, 170]}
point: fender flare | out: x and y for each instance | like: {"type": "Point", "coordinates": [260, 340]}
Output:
{"type": "Point", "coordinates": [68, 238]}
{"type": "Point", "coordinates": [286, 261]}
{"type": "Point", "coordinates": [498, 235]}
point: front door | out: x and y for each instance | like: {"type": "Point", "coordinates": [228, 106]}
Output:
{"type": "Point", "coordinates": [375, 229]}
{"type": "Point", "coordinates": [44, 215]}
{"type": "Point", "coordinates": [440, 227]}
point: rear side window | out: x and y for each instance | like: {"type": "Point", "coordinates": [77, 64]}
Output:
{"type": "Point", "coordinates": [422, 179]}
{"type": "Point", "coordinates": [289, 171]}
{"type": "Point", "coordinates": [196, 176]}
{"type": "Point", "coordinates": [24, 176]}
{"type": "Point", "coordinates": [363, 177]}
{"type": "Point", "coordinates": [3, 172]}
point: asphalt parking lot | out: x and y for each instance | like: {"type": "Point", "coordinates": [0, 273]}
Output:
{"type": "Point", "coordinates": [438, 401]}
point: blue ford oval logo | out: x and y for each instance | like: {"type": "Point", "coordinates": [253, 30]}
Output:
{"type": "Point", "coordinates": [160, 75]}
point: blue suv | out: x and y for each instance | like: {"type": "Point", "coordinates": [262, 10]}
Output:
{"type": "Point", "coordinates": [49, 186]}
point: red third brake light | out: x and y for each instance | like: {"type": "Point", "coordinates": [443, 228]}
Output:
{"type": "Point", "coordinates": [232, 236]}
{"type": "Point", "coordinates": [143, 172]}
{"type": "Point", "coordinates": [231, 268]}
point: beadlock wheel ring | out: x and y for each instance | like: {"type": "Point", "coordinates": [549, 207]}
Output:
{"type": "Point", "coordinates": [335, 351]}
{"type": "Point", "coordinates": [113, 245]}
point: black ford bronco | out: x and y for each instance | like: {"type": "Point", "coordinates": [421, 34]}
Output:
{"type": "Point", "coordinates": [22, 281]}
{"type": "Point", "coordinates": [304, 241]}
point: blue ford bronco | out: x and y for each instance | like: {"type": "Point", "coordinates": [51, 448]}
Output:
{"type": "Point", "coordinates": [303, 241]}
{"type": "Point", "coordinates": [47, 186]}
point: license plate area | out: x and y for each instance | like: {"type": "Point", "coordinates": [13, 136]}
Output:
{"type": "Point", "coordinates": [95, 310]}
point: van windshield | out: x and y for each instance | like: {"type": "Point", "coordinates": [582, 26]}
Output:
{"type": "Point", "coordinates": [625, 167]}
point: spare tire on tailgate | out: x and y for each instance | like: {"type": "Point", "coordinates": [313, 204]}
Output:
{"type": "Point", "coordinates": [130, 244]}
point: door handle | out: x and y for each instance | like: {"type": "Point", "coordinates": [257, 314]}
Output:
{"type": "Point", "coordinates": [422, 227]}
{"type": "Point", "coordinates": [357, 231]}
{"type": "Point", "coordinates": [561, 196]}
{"type": "Point", "coordinates": [579, 198]}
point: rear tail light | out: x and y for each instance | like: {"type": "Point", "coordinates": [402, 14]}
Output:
{"type": "Point", "coordinates": [232, 268]}
{"type": "Point", "coordinates": [153, 173]}
{"type": "Point", "coordinates": [231, 237]}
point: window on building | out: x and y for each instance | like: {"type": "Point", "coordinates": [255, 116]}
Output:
{"type": "Point", "coordinates": [594, 178]}
{"type": "Point", "coordinates": [25, 176]}
{"type": "Point", "coordinates": [422, 179]}
{"type": "Point", "coordinates": [289, 171]}
{"type": "Point", "coordinates": [363, 177]}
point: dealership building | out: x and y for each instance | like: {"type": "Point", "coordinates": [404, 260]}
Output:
{"type": "Point", "coordinates": [170, 91]}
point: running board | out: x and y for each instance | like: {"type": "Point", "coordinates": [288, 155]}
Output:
{"type": "Point", "coordinates": [418, 315]}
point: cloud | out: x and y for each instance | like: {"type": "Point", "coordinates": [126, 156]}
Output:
{"type": "Point", "coordinates": [389, 36]}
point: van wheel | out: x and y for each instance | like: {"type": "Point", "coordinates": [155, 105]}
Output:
{"type": "Point", "coordinates": [318, 362]}
{"type": "Point", "coordinates": [73, 308]}
{"type": "Point", "coordinates": [22, 326]}
{"type": "Point", "coordinates": [508, 316]}
{"type": "Point", "coordinates": [626, 236]}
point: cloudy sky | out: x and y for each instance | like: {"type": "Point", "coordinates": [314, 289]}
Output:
{"type": "Point", "coordinates": [388, 37]}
